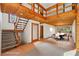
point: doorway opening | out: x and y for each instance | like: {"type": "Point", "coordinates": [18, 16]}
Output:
{"type": "Point", "coordinates": [35, 32]}
{"type": "Point", "coordinates": [41, 31]}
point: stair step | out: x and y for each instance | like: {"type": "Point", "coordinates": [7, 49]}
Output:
{"type": "Point", "coordinates": [7, 33]}
{"type": "Point", "coordinates": [4, 41]}
{"type": "Point", "coordinates": [4, 48]}
{"type": "Point", "coordinates": [8, 39]}
{"type": "Point", "coordinates": [9, 43]}
{"type": "Point", "coordinates": [22, 20]}
{"type": "Point", "coordinates": [20, 25]}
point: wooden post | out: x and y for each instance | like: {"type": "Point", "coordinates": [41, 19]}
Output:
{"type": "Point", "coordinates": [63, 8]}
{"type": "Point", "coordinates": [77, 31]}
{"type": "Point", "coordinates": [38, 8]}
{"type": "Point", "coordinates": [57, 9]}
{"type": "Point", "coordinates": [33, 7]}
{"type": "Point", "coordinates": [46, 13]}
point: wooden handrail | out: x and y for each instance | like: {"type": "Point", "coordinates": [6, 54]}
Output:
{"type": "Point", "coordinates": [51, 12]}
{"type": "Point", "coordinates": [54, 6]}
{"type": "Point", "coordinates": [11, 30]}
{"type": "Point", "coordinates": [41, 6]}
{"type": "Point", "coordinates": [64, 8]}
{"type": "Point", "coordinates": [17, 38]}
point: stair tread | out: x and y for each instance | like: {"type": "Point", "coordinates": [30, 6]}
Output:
{"type": "Point", "coordinates": [9, 43]}
{"type": "Point", "coordinates": [21, 24]}
{"type": "Point", "coordinates": [8, 39]}
{"type": "Point", "coordinates": [8, 47]}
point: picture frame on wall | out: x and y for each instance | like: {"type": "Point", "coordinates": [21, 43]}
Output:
{"type": "Point", "coordinates": [12, 18]}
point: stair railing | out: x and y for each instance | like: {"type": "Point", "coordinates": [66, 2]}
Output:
{"type": "Point", "coordinates": [17, 31]}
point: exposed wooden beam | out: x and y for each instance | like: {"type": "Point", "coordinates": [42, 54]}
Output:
{"type": "Point", "coordinates": [51, 7]}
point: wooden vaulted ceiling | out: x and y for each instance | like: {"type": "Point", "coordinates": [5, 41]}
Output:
{"type": "Point", "coordinates": [62, 19]}
{"type": "Point", "coordinates": [22, 11]}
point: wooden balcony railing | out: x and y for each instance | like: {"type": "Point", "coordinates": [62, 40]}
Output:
{"type": "Point", "coordinates": [52, 10]}
{"type": "Point", "coordinates": [60, 8]}
{"type": "Point", "coordinates": [37, 8]}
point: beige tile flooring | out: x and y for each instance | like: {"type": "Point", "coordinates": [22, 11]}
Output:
{"type": "Point", "coordinates": [44, 47]}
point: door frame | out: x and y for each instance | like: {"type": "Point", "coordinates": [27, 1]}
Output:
{"type": "Point", "coordinates": [41, 31]}
{"type": "Point", "coordinates": [37, 32]}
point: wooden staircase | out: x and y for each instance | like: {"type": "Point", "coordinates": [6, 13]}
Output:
{"type": "Point", "coordinates": [11, 38]}
{"type": "Point", "coordinates": [20, 25]}
{"type": "Point", "coordinates": [8, 39]}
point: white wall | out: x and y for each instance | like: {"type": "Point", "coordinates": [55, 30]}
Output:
{"type": "Point", "coordinates": [48, 30]}
{"type": "Point", "coordinates": [27, 32]}
{"type": "Point", "coordinates": [5, 22]}
{"type": "Point", "coordinates": [0, 30]}
{"type": "Point", "coordinates": [74, 31]}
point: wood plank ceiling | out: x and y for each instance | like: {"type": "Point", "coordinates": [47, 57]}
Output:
{"type": "Point", "coordinates": [22, 11]}
{"type": "Point", "coordinates": [62, 19]}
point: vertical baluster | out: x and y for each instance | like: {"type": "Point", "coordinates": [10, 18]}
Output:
{"type": "Point", "coordinates": [33, 7]}
{"type": "Point", "coordinates": [63, 8]}
{"type": "Point", "coordinates": [57, 9]}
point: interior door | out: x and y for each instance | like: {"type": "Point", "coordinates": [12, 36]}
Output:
{"type": "Point", "coordinates": [41, 31]}
{"type": "Point", "coordinates": [35, 32]}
